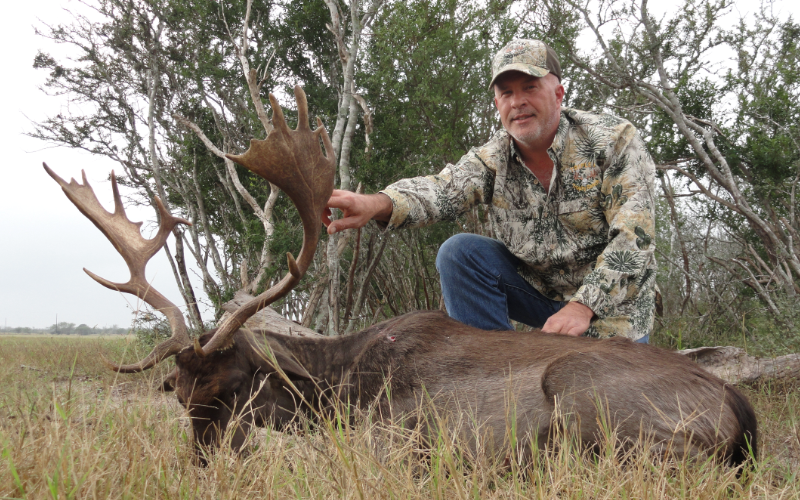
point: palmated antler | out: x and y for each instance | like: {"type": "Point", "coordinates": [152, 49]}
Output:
{"type": "Point", "coordinates": [293, 161]}
{"type": "Point", "coordinates": [137, 251]}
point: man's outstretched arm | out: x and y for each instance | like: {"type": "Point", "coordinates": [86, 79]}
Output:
{"type": "Point", "coordinates": [357, 209]}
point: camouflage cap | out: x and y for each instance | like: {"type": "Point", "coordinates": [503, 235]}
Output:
{"type": "Point", "coordinates": [532, 57]}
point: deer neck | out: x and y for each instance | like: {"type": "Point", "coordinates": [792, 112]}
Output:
{"type": "Point", "coordinates": [328, 359]}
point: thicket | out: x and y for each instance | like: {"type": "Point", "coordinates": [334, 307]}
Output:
{"type": "Point", "coordinates": [167, 87]}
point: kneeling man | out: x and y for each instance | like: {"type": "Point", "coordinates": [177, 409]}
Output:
{"type": "Point", "coordinates": [570, 199]}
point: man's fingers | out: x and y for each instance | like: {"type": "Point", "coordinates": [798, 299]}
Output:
{"type": "Point", "coordinates": [551, 326]}
{"type": "Point", "coordinates": [558, 325]}
{"type": "Point", "coordinates": [326, 216]}
{"type": "Point", "coordinates": [346, 223]}
{"type": "Point", "coordinates": [340, 199]}
{"type": "Point", "coordinates": [333, 227]}
{"type": "Point", "coordinates": [339, 225]}
{"type": "Point", "coordinates": [357, 210]}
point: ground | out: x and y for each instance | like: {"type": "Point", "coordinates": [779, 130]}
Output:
{"type": "Point", "coordinates": [69, 428]}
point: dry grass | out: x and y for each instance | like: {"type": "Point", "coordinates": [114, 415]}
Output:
{"type": "Point", "coordinates": [69, 428]}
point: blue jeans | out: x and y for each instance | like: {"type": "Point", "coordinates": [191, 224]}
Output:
{"type": "Point", "coordinates": [482, 288]}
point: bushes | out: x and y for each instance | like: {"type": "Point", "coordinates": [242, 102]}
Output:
{"type": "Point", "coordinates": [150, 329]}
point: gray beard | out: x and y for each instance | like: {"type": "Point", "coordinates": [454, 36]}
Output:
{"type": "Point", "coordinates": [532, 137]}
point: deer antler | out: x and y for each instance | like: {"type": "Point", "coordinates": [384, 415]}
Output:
{"type": "Point", "coordinates": [293, 161]}
{"type": "Point", "coordinates": [137, 251]}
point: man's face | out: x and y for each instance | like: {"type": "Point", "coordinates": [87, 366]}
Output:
{"type": "Point", "coordinates": [529, 107]}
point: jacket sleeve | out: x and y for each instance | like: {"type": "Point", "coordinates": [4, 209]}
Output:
{"type": "Point", "coordinates": [420, 201]}
{"type": "Point", "coordinates": [625, 270]}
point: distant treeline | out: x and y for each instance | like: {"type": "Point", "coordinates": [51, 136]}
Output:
{"type": "Point", "coordinates": [64, 328]}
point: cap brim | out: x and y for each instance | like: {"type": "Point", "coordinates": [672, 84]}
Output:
{"type": "Point", "coordinates": [522, 68]}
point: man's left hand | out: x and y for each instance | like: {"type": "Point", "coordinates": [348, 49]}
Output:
{"type": "Point", "coordinates": [573, 319]}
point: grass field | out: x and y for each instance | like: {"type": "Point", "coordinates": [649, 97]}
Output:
{"type": "Point", "coordinates": [69, 428]}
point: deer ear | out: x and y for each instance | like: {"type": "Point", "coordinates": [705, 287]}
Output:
{"type": "Point", "coordinates": [292, 368]}
{"type": "Point", "coordinates": [278, 355]}
{"type": "Point", "coordinates": [168, 384]}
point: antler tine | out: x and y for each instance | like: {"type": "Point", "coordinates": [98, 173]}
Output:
{"type": "Point", "coordinates": [321, 132]}
{"type": "Point", "coordinates": [293, 161]}
{"type": "Point", "coordinates": [278, 120]}
{"type": "Point", "coordinates": [136, 251]}
{"type": "Point", "coordinates": [302, 108]}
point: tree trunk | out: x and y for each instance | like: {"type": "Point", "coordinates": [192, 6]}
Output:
{"type": "Point", "coordinates": [734, 365]}
{"type": "Point", "coordinates": [265, 319]}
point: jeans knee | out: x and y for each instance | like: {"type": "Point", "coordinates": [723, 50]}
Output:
{"type": "Point", "coordinates": [452, 251]}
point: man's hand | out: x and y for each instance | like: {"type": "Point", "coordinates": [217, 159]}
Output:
{"type": "Point", "coordinates": [358, 209]}
{"type": "Point", "coordinates": [573, 319]}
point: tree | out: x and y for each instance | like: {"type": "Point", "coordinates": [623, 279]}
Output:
{"type": "Point", "coordinates": [764, 147]}
{"type": "Point", "coordinates": [168, 88]}
{"type": "Point", "coordinates": [148, 76]}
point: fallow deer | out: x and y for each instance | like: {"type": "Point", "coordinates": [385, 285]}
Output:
{"type": "Point", "coordinates": [637, 389]}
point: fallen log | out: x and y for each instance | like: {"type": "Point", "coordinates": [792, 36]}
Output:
{"type": "Point", "coordinates": [734, 365]}
{"type": "Point", "coordinates": [265, 319]}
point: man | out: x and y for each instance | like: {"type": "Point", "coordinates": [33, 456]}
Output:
{"type": "Point", "coordinates": [570, 199]}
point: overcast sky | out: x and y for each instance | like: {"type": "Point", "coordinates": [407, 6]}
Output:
{"type": "Point", "coordinates": [44, 241]}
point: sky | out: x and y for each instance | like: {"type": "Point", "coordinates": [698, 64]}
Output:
{"type": "Point", "coordinates": [44, 241]}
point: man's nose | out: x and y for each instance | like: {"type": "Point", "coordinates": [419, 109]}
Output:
{"type": "Point", "coordinates": [517, 100]}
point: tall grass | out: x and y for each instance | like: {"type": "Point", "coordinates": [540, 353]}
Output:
{"type": "Point", "coordinates": [69, 428]}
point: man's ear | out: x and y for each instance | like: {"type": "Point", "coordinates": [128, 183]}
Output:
{"type": "Point", "coordinates": [559, 92]}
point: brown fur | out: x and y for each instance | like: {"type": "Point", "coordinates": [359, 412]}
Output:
{"type": "Point", "coordinates": [614, 382]}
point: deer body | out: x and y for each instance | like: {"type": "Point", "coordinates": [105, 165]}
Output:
{"type": "Point", "coordinates": [484, 379]}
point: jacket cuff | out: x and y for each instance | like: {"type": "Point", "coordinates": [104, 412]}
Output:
{"type": "Point", "coordinates": [593, 297]}
{"type": "Point", "coordinates": [399, 210]}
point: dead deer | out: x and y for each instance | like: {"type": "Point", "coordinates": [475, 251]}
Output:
{"type": "Point", "coordinates": [637, 389]}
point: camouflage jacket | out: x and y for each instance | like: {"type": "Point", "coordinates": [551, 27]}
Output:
{"type": "Point", "coordinates": [590, 239]}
